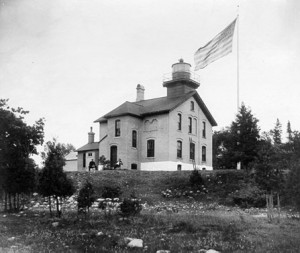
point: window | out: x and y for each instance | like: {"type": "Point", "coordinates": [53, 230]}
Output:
{"type": "Point", "coordinates": [203, 154]}
{"type": "Point", "coordinates": [90, 154]}
{"type": "Point", "coordinates": [192, 106]}
{"type": "Point", "coordinates": [134, 166]}
{"type": "Point", "coordinates": [150, 148]}
{"type": "Point", "coordinates": [117, 128]}
{"type": "Point", "coordinates": [179, 149]}
{"type": "Point", "coordinates": [190, 125]}
{"type": "Point", "coordinates": [203, 129]}
{"type": "Point", "coordinates": [134, 138]}
{"type": "Point", "coordinates": [192, 150]}
{"type": "Point", "coordinates": [84, 160]}
{"type": "Point", "coordinates": [179, 121]}
{"type": "Point", "coordinates": [179, 167]}
{"type": "Point", "coordinates": [195, 126]}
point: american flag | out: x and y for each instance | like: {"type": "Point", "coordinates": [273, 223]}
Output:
{"type": "Point", "coordinates": [218, 47]}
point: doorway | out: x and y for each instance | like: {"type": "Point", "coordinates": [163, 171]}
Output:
{"type": "Point", "coordinates": [113, 155]}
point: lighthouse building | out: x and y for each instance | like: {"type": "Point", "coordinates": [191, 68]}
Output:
{"type": "Point", "coordinates": [166, 133]}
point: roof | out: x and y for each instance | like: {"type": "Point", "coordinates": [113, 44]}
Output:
{"type": "Point", "coordinates": [71, 156]}
{"type": "Point", "coordinates": [160, 105]}
{"type": "Point", "coordinates": [89, 146]}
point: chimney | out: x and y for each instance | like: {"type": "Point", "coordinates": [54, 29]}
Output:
{"type": "Point", "coordinates": [140, 92]}
{"type": "Point", "coordinates": [91, 136]}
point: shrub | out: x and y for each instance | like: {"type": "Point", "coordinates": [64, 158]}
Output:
{"type": "Point", "coordinates": [86, 196]}
{"type": "Point", "coordinates": [111, 192]}
{"type": "Point", "coordinates": [196, 179]}
{"type": "Point", "coordinates": [130, 207]}
{"type": "Point", "coordinates": [249, 195]}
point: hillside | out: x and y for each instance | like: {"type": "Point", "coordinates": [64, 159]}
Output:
{"type": "Point", "coordinates": [148, 185]}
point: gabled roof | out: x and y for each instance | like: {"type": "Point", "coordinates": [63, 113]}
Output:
{"type": "Point", "coordinates": [160, 105]}
{"type": "Point", "coordinates": [71, 156]}
{"type": "Point", "coordinates": [89, 146]}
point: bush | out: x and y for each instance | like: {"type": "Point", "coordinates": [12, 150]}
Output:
{"type": "Point", "coordinates": [86, 196]}
{"type": "Point", "coordinates": [196, 179]}
{"type": "Point", "coordinates": [249, 195]}
{"type": "Point", "coordinates": [111, 192]}
{"type": "Point", "coordinates": [130, 207]}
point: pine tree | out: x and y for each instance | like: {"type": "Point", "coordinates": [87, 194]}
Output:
{"type": "Point", "coordinates": [245, 137]}
{"type": "Point", "coordinates": [277, 132]}
{"type": "Point", "coordinates": [289, 131]}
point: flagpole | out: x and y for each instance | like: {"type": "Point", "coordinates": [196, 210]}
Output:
{"type": "Point", "coordinates": [238, 165]}
{"type": "Point", "coordinates": [238, 63]}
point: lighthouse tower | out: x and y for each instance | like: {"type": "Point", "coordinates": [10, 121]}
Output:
{"type": "Point", "coordinates": [181, 81]}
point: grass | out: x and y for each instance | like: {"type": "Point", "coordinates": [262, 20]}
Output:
{"type": "Point", "coordinates": [178, 225]}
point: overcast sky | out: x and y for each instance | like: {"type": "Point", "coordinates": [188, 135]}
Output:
{"type": "Point", "coordinates": [72, 61]}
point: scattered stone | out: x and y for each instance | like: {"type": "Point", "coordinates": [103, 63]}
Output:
{"type": "Point", "coordinates": [100, 233]}
{"type": "Point", "coordinates": [11, 239]}
{"type": "Point", "coordinates": [135, 243]}
{"type": "Point", "coordinates": [212, 251]}
{"type": "Point", "coordinates": [4, 216]}
{"type": "Point", "coordinates": [35, 194]}
{"type": "Point", "coordinates": [163, 251]}
{"type": "Point", "coordinates": [55, 224]}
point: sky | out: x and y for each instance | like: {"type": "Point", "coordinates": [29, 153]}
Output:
{"type": "Point", "coordinates": [72, 61]}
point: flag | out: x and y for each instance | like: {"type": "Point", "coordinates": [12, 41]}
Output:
{"type": "Point", "coordinates": [218, 47]}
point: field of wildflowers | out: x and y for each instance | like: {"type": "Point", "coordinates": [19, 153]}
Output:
{"type": "Point", "coordinates": [172, 217]}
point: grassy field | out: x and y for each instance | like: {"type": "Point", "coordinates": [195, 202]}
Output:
{"type": "Point", "coordinates": [185, 224]}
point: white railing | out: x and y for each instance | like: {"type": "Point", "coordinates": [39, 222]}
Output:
{"type": "Point", "coordinates": [181, 75]}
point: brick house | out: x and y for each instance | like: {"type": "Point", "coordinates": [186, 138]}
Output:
{"type": "Point", "coordinates": [167, 133]}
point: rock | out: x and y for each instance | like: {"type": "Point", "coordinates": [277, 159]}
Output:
{"type": "Point", "coordinates": [135, 243]}
{"type": "Point", "coordinates": [100, 233]}
{"type": "Point", "coordinates": [11, 239]}
{"type": "Point", "coordinates": [4, 216]}
{"type": "Point", "coordinates": [212, 251]}
{"type": "Point", "coordinates": [163, 251]}
{"type": "Point", "coordinates": [55, 224]}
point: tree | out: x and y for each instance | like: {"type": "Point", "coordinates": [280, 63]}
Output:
{"type": "Point", "coordinates": [289, 131]}
{"type": "Point", "coordinates": [223, 149]}
{"type": "Point", "coordinates": [276, 133]}
{"type": "Point", "coordinates": [65, 149]}
{"type": "Point", "coordinates": [17, 142]}
{"type": "Point", "coordinates": [52, 180]}
{"type": "Point", "coordinates": [268, 167]}
{"type": "Point", "coordinates": [293, 185]}
{"type": "Point", "coordinates": [245, 137]}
